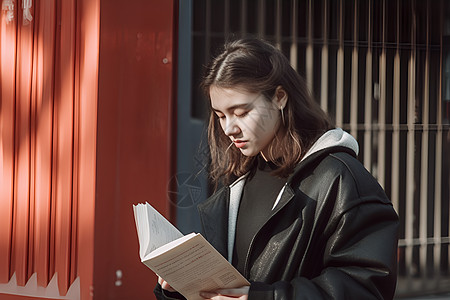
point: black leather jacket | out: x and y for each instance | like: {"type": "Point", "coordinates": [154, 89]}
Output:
{"type": "Point", "coordinates": [333, 234]}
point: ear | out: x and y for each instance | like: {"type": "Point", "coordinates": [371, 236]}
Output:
{"type": "Point", "coordinates": [281, 97]}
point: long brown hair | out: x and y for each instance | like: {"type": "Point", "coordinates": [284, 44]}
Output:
{"type": "Point", "coordinates": [258, 67]}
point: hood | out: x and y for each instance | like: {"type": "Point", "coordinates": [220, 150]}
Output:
{"type": "Point", "coordinates": [333, 138]}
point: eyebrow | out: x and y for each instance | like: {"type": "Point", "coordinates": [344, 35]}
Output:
{"type": "Point", "coordinates": [243, 105]}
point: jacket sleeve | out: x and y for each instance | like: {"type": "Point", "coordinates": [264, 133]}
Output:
{"type": "Point", "coordinates": [166, 295]}
{"type": "Point", "coordinates": [359, 260]}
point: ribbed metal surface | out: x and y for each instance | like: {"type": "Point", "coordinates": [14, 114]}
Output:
{"type": "Point", "coordinates": [48, 80]}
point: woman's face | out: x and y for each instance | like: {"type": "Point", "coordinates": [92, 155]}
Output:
{"type": "Point", "coordinates": [248, 119]}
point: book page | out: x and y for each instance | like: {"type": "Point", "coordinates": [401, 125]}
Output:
{"type": "Point", "coordinates": [195, 266]}
{"type": "Point", "coordinates": [153, 229]}
{"type": "Point", "coordinates": [168, 246]}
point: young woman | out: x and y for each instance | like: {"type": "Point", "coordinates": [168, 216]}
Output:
{"type": "Point", "coordinates": [298, 215]}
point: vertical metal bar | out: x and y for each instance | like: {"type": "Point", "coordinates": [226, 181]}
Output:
{"type": "Point", "coordinates": [278, 24]}
{"type": "Point", "coordinates": [382, 105]}
{"type": "Point", "coordinates": [409, 213]}
{"type": "Point", "coordinates": [354, 78]}
{"type": "Point", "coordinates": [368, 95]}
{"type": "Point", "coordinates": [438, 164]}
{"type": "Point", "coordinates": [226, 25]}
{"type": "Point", "coordinates": [438, 196]}
{"type": "Point", "coordinates": [424, 160]}
{"type": "Point", "coordinates": [293, 50]}
{"type": "Point", "coordinates": [243, 18]}
{"type": "Point", "coordinates": [208, 30]}
{"type": "Point", "coordinates": [278, 10]}
{"type": "Point", "coordinates": [340, 70]}
{"type": "Point", "coordinates": [261, 18]}
{"type": "Point", "coordinates": [324, 60]}
{"type": "Point", "coordinates": [395, 166]}
{"type": "Point", "coordinates": [309, 48]}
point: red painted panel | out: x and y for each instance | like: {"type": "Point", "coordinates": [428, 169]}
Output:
{"type": "Point", "coordinates": [22, 149]}
{"type": "Point", "coordinates": [63, 141]}
{"type": "Point", "coordinates": [135, 149]}
{"type": "Point", "coordinates": [7, 121]}
{"type": "Point", "coordinates": [88, 60]}
{"type": "Point", "coordinates": [45, 44]}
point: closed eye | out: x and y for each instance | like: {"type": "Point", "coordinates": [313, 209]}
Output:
{"type": "Point", "coordinates": [220, 116]}
{"type": "Point", "coordinates": [241, 115]}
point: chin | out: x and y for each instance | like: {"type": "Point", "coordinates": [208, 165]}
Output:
{"type": "Point", "coordinates": [249, 153]}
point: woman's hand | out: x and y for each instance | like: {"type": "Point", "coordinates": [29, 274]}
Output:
{"type": "Point", "coordinates": [227, 294]}
{"type": "Point", "coordinates": [165, 285]}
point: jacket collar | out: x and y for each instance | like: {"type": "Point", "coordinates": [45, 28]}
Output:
{"type": "Point", "coordinates": [235, 193]}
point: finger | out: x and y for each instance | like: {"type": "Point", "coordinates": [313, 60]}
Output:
{"type": "Point", "coordinates": [167, 287]}
{"type": "Point", "coordinates": [235, 292]}
{"type": "Point", "coordinates": [207, 295]}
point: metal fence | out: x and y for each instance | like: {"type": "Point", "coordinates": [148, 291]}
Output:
{"type": "Point", "coordinates": [381, 70]}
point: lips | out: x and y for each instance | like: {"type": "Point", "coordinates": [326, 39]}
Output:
{"type": "Point", "coordinates": [240, 143]}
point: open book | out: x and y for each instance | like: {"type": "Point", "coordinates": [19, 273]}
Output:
{"type": "Point", "coordinates": [187, 262]}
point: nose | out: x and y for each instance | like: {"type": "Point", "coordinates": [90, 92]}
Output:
{"type": "Point", "coordinates": [231, 128]}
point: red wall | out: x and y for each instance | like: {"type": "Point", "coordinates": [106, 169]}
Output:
{"type": "Point", "coordinates": [86, 130]}
{"type": "Point", "coordinates": [135, 149]}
